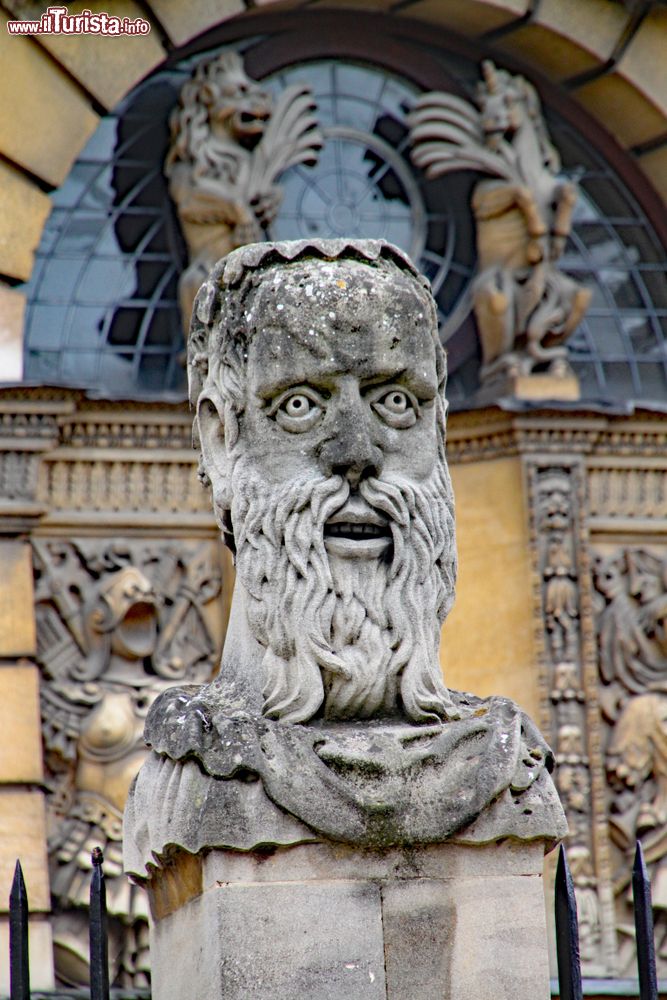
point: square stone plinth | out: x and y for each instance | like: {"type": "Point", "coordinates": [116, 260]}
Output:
{"type": "Point", "coordinates": [330, 922]}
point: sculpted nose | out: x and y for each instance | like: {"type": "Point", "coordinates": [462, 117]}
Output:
{"type": "Point", "coordinates": [351, 454]}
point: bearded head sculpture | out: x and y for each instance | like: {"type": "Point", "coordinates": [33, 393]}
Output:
{"type": "Point", "coordinates": [318, 380]}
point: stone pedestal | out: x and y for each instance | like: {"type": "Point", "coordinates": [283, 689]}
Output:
{"type": "Point", "coordinates": [331, 922]}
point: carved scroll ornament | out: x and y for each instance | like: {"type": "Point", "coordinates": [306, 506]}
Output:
{"type": "Point", "coordinates": [229, 145]}
{"type": "Point", "coordinates": [524, 305]}
{"type": "Point", "coordinates": [117, 624]}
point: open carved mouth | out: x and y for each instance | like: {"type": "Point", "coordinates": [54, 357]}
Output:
{"type": "Point", "coordinates": [137, 631]}
{"type": "Point", "coordinates": [357, 531]}
{"type": "Point", "coordinates": [251, 122]}
{"type": "Point", "coordinates": [253, 117]}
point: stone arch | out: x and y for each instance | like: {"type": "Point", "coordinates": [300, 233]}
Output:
{"type": "Point", "coordinates": [606, 57]}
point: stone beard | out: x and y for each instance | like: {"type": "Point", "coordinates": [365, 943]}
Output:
{"type": "Point", "coordinates": [328, 380]}
{"type": "Point", "coordinates": [351, 634]}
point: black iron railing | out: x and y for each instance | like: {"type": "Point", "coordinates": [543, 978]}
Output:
{"type": "Point", "coordinates": [567, 931]}
{"type": "Point", "coordinates": [567, 934]}
{"type": "Point", "coordinates": [19, 963]}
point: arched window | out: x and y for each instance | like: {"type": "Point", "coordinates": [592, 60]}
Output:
{"type": "Point", "coordinates": [102, 301]}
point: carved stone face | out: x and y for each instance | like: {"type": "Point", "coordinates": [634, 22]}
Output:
{"type": "Point", "coordinates": [322, 431]}
{"type": "Point", "coordinates": [237, 105]}
{"type": "Point", "coordinates": [342, 381]}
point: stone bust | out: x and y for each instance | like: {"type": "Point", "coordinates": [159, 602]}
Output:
{"type": "Point", "coordinates": [318, 380]}
{"type": "Point", "coordinates": [320, 412]}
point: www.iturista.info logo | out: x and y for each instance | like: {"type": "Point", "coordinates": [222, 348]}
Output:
{"type": "Point", "coordinates": [58, 21]}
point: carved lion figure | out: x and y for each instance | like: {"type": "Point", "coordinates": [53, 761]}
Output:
{"type": "Point", "coordinates": [229, 144]}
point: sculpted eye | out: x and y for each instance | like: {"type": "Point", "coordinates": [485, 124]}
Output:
{"type": "Point", "coordinates": [396, 401]}
{"type": "Point", "coordinates": [297, 405]}
{"type": "Point", "coordinates": [297, 410]}
{"type": "Point", "coordinates": [396, 407]}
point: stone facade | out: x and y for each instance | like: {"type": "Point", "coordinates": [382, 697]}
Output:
{"type": "Point", "coordinates": [73, 468]}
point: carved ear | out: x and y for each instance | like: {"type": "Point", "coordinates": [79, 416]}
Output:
{"type": "Point", "coordinates": [215, 458]}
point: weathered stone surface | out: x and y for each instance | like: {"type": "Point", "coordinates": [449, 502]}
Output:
{"type": "Point", "coordinates": [499, 947]}
{"type": "Point", "coordinates": [17, 629]}
{"type": "Point", "coordinates": [420, 923]}
{"type": "Point", "coordinates": [331, 484]}
{"type": "Point", "coordinates": [381, 785]}
{"type": "Point", "coordinates": [305, 862]}
{"type": "Point", "coordinates": [21, 760]}
{"type": "Point", "coordinates": [320, 921]}
{"type": "Point", "coordinates": [23, 835]}
{"type": "Point", "coordinates": [321, 940]}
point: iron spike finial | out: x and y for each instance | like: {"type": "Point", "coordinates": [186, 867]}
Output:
{"type": "Point", "coordinates": [567, 932]}
{"type": "Point", "coordinates": [641, 895]}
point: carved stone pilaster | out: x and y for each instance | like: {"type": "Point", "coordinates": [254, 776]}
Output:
{"type": "Point", "coordinates": [566, 641]}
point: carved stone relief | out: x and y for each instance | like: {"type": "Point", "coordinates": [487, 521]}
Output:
{"type": "Point", "coordinates": [229, 145]}
{"type": "Point", "coordinates": [560, 544]}
{"type": "Point", "coordinates": [524, 305]}
{"type": "Point", "coordinates": [631, 586]}
{"type": "Point", "coordinates": [117, 623]}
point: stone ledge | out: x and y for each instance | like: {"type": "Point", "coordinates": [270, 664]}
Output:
{"type": "Point", "coordinates": [317, 862]}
